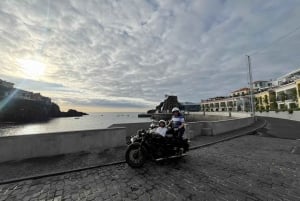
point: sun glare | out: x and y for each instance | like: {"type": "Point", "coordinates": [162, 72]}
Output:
{"type": "Point", "coordinates": [31, 68]}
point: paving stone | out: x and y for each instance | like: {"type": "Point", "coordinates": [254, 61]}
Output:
{"type": "Point", "coordinates": [246, 168]}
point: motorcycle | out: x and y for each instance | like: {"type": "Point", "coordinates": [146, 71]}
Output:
{"type": "Point", "coordinates": [147, 144]}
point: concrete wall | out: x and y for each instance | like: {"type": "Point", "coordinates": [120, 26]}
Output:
{"type": "Point", "coordinates": [193, 117]}
{"type": "Point", "coordinates": [219, 127]}
{"type": "Point", "coordinates": [42, 145]}
{"type": "Point", "coordinates": [233, 114]}
{"type": "Point", "coordinates": [198, 116]}
{"type": "Point", "coordinates": [282, 115]}
{"type": "Point", "coordinates": [132, 128]}
{"type": "Point", "coordinates": [194, 129]}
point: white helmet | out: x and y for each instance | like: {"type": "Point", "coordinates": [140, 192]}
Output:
{"type": "Point", "coordinates": [175, 109]}
{"type": "Point", "coordinates": [162, 121]}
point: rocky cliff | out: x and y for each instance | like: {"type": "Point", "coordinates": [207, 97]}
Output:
{"type": "Point", "coordinates": [167, 105]}
{"type": "Point", "coordinates": [20, 110]}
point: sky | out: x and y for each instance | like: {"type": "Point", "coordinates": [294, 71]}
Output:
{"type": "Point", "coordinates": [119, 55]}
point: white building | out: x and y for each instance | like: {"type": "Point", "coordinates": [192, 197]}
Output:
{"type": "Point", "coordinates": [238, 103]}
{"type": "Point", "coordinates": [259, 86]}
{"type": "Point", "coordinates": [287, 95]}
{"type": "Point", "coordinates": [287, 78]}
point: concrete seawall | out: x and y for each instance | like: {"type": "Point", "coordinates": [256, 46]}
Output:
{"type": "Point", "coordinates": [224, 114]}
{"type": "Point", "coordinates": [51, 144]}
{"type": "Point", "coordinates": [132, 128]}
{"type": "Point", "coordinates": [194, 129]}
{"type": "Point", "coordinates": [295, 116]}
{"type": "Point", "coordinates": [43, 145]}
{"type": "Point", "coordinates": [220, 125]}
{"type": "Point", "coordinates": [198, 116]}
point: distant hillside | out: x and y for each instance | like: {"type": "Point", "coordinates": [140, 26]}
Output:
{"type": "Point", "coordinates": [20, 110]}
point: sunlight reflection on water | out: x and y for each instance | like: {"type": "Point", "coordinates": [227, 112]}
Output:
{"type": "Point", "coordinates": [88, 122]}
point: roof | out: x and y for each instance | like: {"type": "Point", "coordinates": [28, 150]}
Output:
{"type": "Point", "coordinates": [242, 89]}
{"type": "Point", "coordinates": [288, 74]}
{"type": "Point", "coordinates": [261, 81]}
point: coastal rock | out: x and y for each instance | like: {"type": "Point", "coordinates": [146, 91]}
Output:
{"type": "Point", "coordinates": [21, 111]}
{"type": "Point", "coordinates": [167, 105]}
{"type": "Point", "coordinates": [72, 113]}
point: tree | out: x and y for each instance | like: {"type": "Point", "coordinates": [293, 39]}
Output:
{"type": "Point", "coordinates": [274, 106]}
{"type": "Point", "coordinates": [293, 105]}
{"type": "Point", "coordinates": [293, 93]}
{"type": "Point", "coordinates": [256, 101]}
{"type": "Point", "coordinates": [272, 97]}
{"type": "Point", "coordinates": [266, 99]}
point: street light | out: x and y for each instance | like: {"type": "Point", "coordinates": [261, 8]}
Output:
{"type": "Point", "coordinates": [251, 86]}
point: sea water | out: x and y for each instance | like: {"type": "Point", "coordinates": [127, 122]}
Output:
{"type": "Point", "coordinates": [87, 122]}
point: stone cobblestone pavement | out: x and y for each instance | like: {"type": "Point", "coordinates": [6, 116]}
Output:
{"type": "Point", "coordinates": [245, 168]}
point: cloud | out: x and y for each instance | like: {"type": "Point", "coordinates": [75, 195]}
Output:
{"type": "Point", "coordinates": [131, 53]}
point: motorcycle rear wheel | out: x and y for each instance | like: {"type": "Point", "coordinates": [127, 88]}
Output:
{"type": "Point", "coordinates": [134, 155]}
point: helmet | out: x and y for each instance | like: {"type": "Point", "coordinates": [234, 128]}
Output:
{"type": "Point", "coordinates": [175, 109]}
{"type": "Point", "coordinates": [162, 121]}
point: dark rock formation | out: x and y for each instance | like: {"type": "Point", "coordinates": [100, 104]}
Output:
{"type": "Point", "coordinates": [72, 113]}
{"type": "Point", "coordinates": [55, 110]}
{"type": "Point", "coordinates": [21, 110]}
{"type": "Point", "coordinates": [167, 105]}
{"type": "Point", "coordinates": [160, 107]}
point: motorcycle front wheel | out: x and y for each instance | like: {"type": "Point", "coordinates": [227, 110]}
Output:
{"type": "Point", "coordinates": [134, 155]}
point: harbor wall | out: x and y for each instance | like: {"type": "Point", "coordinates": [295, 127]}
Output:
{"type": "Point", "coordinates": [211, 128]}
{"type": "Point", "coordinates": [50, 144]}
{"type": "Point", "coordinates": [193, 129]}
{"type": "Point", "coordinates": [224, 114]}
{"type": "Point", "coordinates": [132, 128]}
{"type": "Point", "coordinates": [204, 116]}
{"type": "Point", "coordinates": [295, 116]}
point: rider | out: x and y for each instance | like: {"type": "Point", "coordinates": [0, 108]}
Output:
{"type": "Point", "coordinates": [177, 121]}
{"type": "Point", "coordinates": [161, 129]}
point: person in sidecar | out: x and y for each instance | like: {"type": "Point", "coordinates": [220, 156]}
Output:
{"type": "Point", "coordinates": [177, 122]}
{"type": "Point", "coordinates": [161, 129]}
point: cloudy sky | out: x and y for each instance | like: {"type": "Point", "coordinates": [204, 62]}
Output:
{"type": "Point", "coordinates": [105, 55]}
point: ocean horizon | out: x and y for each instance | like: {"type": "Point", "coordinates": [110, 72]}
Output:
{"type": "Point", "coordinates": [99, 120]}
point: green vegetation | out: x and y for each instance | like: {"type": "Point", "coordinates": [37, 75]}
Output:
{"type": "Point", "coordinates": [266, 100]}
{"type": "Point", "coordinates": [293, 94]}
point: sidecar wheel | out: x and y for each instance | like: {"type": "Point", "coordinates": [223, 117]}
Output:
{"type": "Point", "coordinates": [134, 155]}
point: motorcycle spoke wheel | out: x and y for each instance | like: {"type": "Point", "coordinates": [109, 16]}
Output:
{"type": "Point", "coordinates": [134, 156]}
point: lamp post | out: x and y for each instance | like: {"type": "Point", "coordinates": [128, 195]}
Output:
{"type": "Point", "coordinates": [251, 86]}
